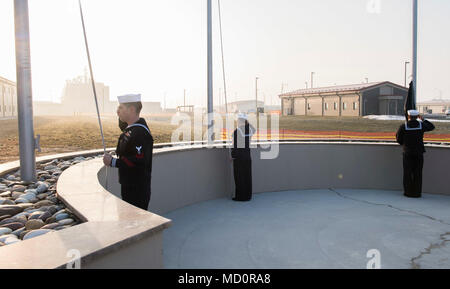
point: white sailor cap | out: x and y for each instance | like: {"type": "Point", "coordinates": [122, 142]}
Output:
{"type": "Point", "coordinates": [413, 112]}
{"type": "Point", "coordinates": [242, 116]}
{"type": "Point", "coordinates": [129, 98]}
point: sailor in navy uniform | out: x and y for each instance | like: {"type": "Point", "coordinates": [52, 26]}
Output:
{"type": "Point", "coordinates": [242, 162]}
{"type": "Point", "coordinates": [410, 136]}
{"type": "Point", "coordinates": [134, 153]}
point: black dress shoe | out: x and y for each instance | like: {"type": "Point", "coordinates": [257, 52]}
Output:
{"type": "Point", "coordinates": [238, 200]}
{"type": "Point", "coordinates": [413, 196]}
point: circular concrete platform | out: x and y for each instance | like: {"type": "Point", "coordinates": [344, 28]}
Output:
{"type": "Point", "coordinates": [311, 229]}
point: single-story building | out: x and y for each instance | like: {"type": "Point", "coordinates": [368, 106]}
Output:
{"type": "Point", "coordinates": [8, 98]}
{"type": "Point", "coordinates": [376, 98]}
{"type": "Point", "coordinates": [438, 106]}
{"type": "Point", "coordinates": [246, 106]}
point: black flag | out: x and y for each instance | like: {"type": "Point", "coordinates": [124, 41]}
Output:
{"type": "Point", "coordinates": [410, 102]}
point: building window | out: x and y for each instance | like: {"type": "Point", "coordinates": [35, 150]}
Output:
{"type": "Point", "coordinates": [326, 106]}
{"type": "Point", "coordinates": [344, 106]}
{"type": "Point", "coordinates": [355, 105]}
{"type": "Point", "coordinates": [309, 106]}
{"type": "Point", "coordinates": [335, 106]}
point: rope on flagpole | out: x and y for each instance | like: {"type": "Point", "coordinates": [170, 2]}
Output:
{"type": "Point", "coordinates": [93, 87]}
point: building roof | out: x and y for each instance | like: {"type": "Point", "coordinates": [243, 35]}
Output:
{"type": "Point", "coordinates": [10, 82]}
{"type": "Point", "coordinates": [340, 88]}
{"type": "Point", "coordinates": [245, 102]}
{"type": "Point", "coordinates": [435, 102]}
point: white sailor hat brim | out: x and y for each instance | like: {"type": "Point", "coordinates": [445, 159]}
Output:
{"type": "Point", "coordinates": [242, 116]}
{"type": "Point", "coordinates": [129, 98]}
{"type": "Point", "coordinates": [413, 112]}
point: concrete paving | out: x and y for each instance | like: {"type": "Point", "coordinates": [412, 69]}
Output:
{"type": "Point", "coordinates": [311, 229]}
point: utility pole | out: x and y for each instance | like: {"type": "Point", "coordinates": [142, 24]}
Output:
{"type": "Point", "coordinates": [312, 79]}
{"type": "Point", "coordinates": [27, 143]}
{"type": "Point", "coordinates": [306, 83]}
{"type": "Point", "coordinates": [256, 92]}
{"type": "Point", "coordinates": [414, 64]}
{"type": "Point", "coordinates": [220, 96]}
{"type": "Point", "coordinates": [283, 86]}
{"type": "Point", "coordinates": [210, 73]}
{"type": "Point", "coordinates": [165, 94]}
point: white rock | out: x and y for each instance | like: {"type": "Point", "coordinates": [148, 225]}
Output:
{"type": "Point", "coordinates": [11, 240]}
{"type": "Point", "coordinates": [36, 233]}
{"type": "Point", "coordinates": [26, 214]}
{"type": "Point", "coordinates": [18, 231]}
{"type": "Point", "coordinates": [61, 216]}
{"type": "Point", "coordinates": [29, 196]}
{"type": "Point", "coordinates": [22, 201]}
{"type": "Point", "coordinates": [4, 237]}
{"type": "Point", "coordinates": [5, 231]}
{"type": "Point", "coordinates": [42, 188]}
{"type": "Point", "coordinates": [16, 195]}
{"type": "Point", "coordinates": [66, 222]}
{"type": "Point", "coordinates": [34, 191]}
{"type": "Point", "coordinates": [11, 178]}
{"type": "Point", "coordinates": [50, 168]}
{"type": "Point", "coordinates": [31, 211]}
{"type": "Point", "coordinates": [5, 194]}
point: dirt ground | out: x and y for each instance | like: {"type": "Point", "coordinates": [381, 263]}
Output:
{"type": "Point", "coordinates": [67, 134]}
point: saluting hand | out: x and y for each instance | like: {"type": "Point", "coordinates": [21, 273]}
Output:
{"type": "Point", "coordinates": [107, 159]}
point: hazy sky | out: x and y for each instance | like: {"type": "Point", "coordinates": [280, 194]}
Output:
{"type": "Point", "coordinates": [158, 47]}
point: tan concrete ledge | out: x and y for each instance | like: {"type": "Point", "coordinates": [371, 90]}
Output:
{"type": "Point", "coordinates": [111, 225]}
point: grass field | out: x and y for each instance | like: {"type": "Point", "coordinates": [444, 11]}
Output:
{"type": "Point", "coordinates": [355, 124]}
{"type": "Point", "coordinates": [68, 134]}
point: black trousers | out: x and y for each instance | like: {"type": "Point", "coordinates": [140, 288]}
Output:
{"type": "Point", "coordinates": [137, 195]}
{"type": "Point", "coordinates": [243, 179]}
{"type": "Point", "coordinates": [412, 174]}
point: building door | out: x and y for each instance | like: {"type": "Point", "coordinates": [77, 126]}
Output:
{"type": "Point", "coordinates": [392, 108]}
{"type": "Point", "coordinates": [2, 101]}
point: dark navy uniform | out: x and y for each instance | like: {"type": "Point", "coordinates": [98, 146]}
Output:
{"type": "Point", "coordinates": [410, 136]}
{"type": "Point", "coordinates": [135, 151]}
{"type": "Point", "coordinates": [242, 162]}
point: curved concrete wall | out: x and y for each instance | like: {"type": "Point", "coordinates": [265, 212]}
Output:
{"type": "Point", "coordinates": [118, 235]}
{"type": "Point", "coordinates": [185, 176]}
{"type": "Point", "coordinates": [346, 166]}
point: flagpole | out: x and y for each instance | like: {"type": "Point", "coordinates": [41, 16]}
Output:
{"type": "Point", "coordinates": [24, 92]}
{"type": "Point", "coordinates": [414, 64]}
